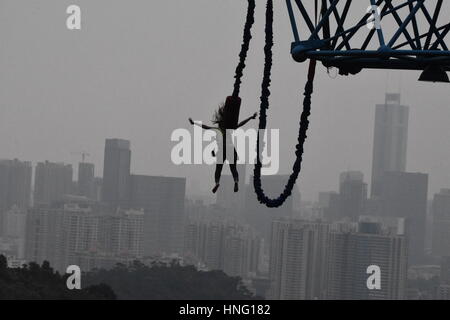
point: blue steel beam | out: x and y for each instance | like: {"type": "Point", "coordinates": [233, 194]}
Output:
{"type": "Point", "coordinates": [334, 48]}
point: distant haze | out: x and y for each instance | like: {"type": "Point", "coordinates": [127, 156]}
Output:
{"type": "Point", "coordinates": [138, 69]}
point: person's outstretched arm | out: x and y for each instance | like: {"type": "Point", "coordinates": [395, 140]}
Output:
{"type": "Point", "coordinates": [243, 123]}
{"type": "Point", "coordinates": [200, 125]}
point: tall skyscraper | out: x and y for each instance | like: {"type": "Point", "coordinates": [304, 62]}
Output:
{"type": "Point", "coordinates": [116, 171]}
{"type": "Point", "coordinates": [390, 139]}
{"type": "Point", "coordinates": [441, 223]}
{"type": "Point", "coordinates": [298, 260]}
{"type": "Point", "coordinates": [52, 181]}
{"type": "Point", "coordinates": [404, 195]}
{"type": "Point", "coordinates": [15, 184]}
{"type": "Point", "coordinates": [352, 195]}
{"type": "Point", "coordinates": [352, 252]}
{"type": "Point", "coordinates": [86, 180]}
{"type": "Point", "coordinates": [162, 199]}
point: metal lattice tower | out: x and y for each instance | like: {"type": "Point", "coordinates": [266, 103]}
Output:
{"type": "Point", "coordinates": [389, 34]}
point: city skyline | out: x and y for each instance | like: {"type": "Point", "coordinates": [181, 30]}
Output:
{"type": "Point", "coordinates": [139, 216]}
{"type": "Point", "coordinates": [97, 112]}
{"type": "Point", "coordinates": [126, 87]}
{"type": "Point", "coordinates": [398, 164]}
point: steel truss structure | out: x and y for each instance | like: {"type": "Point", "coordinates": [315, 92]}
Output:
{"type": "Point", "coordinates": [416, 39]}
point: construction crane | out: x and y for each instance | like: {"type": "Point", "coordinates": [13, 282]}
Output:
{"type": "Point", "coordinates": [83, 155]}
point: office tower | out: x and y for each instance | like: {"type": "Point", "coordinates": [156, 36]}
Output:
{"type": "Point", "coordinates": [52, 181]}
{"type": "Point", "coordinates": [390, 139]}
{"type": "Point", "coordinates": [258, 215]}
{"type": "Point", "coordinates": [404, 195]}
{"type": "Point", "coordinates": [441, 223]}
{"type": "Point", "coordinates": [325, 198]}
{"type": "Point", "coordinates": [352, 252]}
{"type": "Point", "coordinates": [86, 180]}
{"type": "Point", "coordinates": [329, 205]}
{"type": "Point", "coordinates": [352, 195]}
{"type": "Point", "coordinates": [15, 186]}
{"type": "Point", "coordinates": [162, 199]}
{"type": "Point", "coordinates": [116, 171]}
{"type": "Point", "coordinates": [298, 260]}
{"type": "Point", "coordinates": [98, 183]}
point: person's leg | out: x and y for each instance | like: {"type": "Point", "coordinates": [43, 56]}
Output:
{"type": "Point", "coordinates": [217, 175]}
{"type": "Point", "coordinates": [234, 172]}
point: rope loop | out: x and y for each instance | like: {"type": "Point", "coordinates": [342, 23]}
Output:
{"type": "Point", "coordinates": [304, 122]}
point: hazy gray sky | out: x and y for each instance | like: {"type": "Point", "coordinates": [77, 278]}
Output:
{"type": "Point", "coordinates": [138, 69]}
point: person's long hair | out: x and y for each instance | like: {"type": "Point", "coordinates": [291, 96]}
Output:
{"type": "Point", "coordinates": [219, 116]}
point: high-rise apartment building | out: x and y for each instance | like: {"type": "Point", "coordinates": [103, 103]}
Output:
{"type": "Point", "coordinates": [52, 181]}
{"type": "Point", "coordinates": [124, 232]}
{"type": "Point", "coordinates": [441, 223]}
{"type": "Point", "coordinates": [82, 233]}
{"type": "Point", "coordinates": [350, 253]}
{"type": "Point", "coordinates": [221, 244]}
{"type": "Point", "coordinates": [298, 256]}
{"type": "Point", "coordinates": [57, 233]}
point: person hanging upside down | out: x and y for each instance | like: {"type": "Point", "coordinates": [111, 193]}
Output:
{"type": "Point", "coordinates": [227, 144]}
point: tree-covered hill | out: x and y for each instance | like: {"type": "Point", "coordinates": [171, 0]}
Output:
{"type": "Point", "coordinates": [162, 281]}
{"type": "Point", "coordinates": [41, 282]}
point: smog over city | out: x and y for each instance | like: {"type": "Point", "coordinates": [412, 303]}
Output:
{"type": "Point", "coordinates": [246, 150]}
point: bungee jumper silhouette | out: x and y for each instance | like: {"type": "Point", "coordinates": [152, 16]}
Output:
{"type": "Point", "coordinates": [224, 128]}
{"type": "Point", "coordinates": [227, 115]}
{"type": "Point", "coordinates": [424, 49]}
